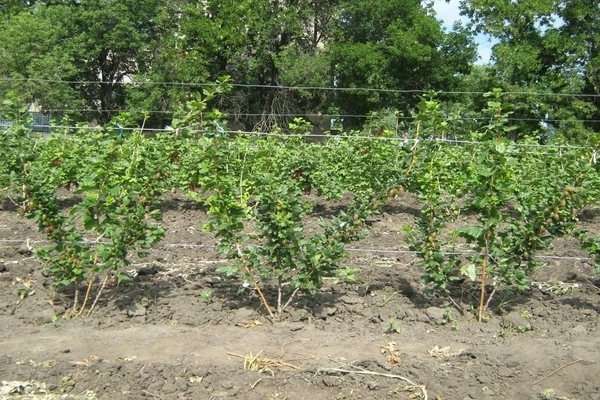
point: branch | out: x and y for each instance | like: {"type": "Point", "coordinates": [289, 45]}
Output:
{"type": "Point", "coordinates": [260, 293]}
{"type": "Point", "coordinates": [555, 371]}
{"type": "Point", "coordinates": [372, 373]}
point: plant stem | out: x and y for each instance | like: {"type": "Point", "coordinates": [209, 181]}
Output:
{"type": "Point", "coordinates": [76, 299]}
{"type": "Point", "coordinates": [91, 279]}
{"type": "Point", "coordinates": [414, 149]}
{"type": "Point", "coordinates": [555, 371]}
{"type": "Point", "coordinates": [97, 296]}
{"type": "Point", "coordinates": [487, 303]}
{"type": "Point", "coordinates": [87, 293]}
{"type": "Point", "coordinates": [260, 293]}
{"type": "Point", "coordinates": [287, 303]}
{"type": "Point", "coordinates": [279, 295]}
{"type": "Point", "coordinates": [459, 308]}
{"type": "Point", "coordinates": [483, 270]}
{"type": "Point", "coordinates": [242, 176]}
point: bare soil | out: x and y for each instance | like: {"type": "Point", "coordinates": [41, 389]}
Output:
{"type": "Point", "coordinates": [183, 331]}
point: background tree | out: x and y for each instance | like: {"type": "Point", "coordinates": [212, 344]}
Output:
{"type": "Point", "coordinates": [94, 47]}
{"type": "Point", "coordinates": [395, 44]}
{"type": "Point", "coordinates": [31, 47]}
{"type": "Point", "coordinates": [305, 43]}
{"type": "Point", "coordinates": [111, 41]}
{"type": "Point", "coordinates": [103, 57]}
{"type": "Point", "coordinates": [256, 42]}
{"type": "Point", "coordinates": [547, 52]}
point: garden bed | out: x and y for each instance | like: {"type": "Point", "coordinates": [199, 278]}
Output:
{"type": "Point", "coordinates": [183, 331]}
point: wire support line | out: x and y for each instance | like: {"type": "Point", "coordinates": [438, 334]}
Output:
{"type": "Point", "coordinates": [94, 242]}
{"type": "Point", "coordinates": [182, 245]}
{"type": "Point", "coordinates": [314, 115]}
{"type": "Point", "coordinates": [462, 253]}
{"type": "Point", "coordinates": [286, 87]}
{"type": "Point", "coordinates": [405, 140]}
{"type": "Point", "coordinates": [349, 249]}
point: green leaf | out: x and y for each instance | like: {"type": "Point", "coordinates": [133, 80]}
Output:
{"type": "Point", "coordinates": [90, 224]}
{"type": "Point", "coordinates": [439, 256]}
{"type": "Point", "coordinates": [228, 270]}
{"type": "Point", "coordinates": [469, 270]}
{"type": "Point", "coordinates": [470, 233]}
{"type": "Point", "coordinates": [501, 147]}
{"type": "Point", "coordinates": [484, 171]}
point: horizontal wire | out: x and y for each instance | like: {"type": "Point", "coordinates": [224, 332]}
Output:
{"type": "Point", "coordinates": [314, 115]}
{"type": "Point", "coordinates": [463, 253]}
{"type": "Point", "coordinates": [317, 135]}
{"type": "Point", "coordinates": [325, 88]}
{"type": "Point", "coordinates": [357, 250]}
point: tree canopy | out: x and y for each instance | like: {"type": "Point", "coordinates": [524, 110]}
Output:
{"type": "Point", "coordinates": [547, 50]}
{"type": "Point", "coordinates": [128, 54]}
{"type": "Point", "coordinates": [93, 59]}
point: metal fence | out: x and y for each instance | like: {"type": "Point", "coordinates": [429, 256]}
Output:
{"type": "Point", "coordinates": [40, 122]}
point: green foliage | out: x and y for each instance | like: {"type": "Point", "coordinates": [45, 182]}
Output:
{"type": "Point", "coordinates": [254, 190]}
{"type": "Point", "coordinates": [31, 49]}
{"type": "Point", "coordinates": [545, 52]}
{"type": "Point", "coordinates": [520, 196]}
{"type": "Point", "coordinates": [278, 248]}
{"type": "Point", "coordinates": [118, 186]}
{"type": "Point", "coordinates": [393, 326]}
{"type": "Point", "coordinates": [394, 44]}
{"type": "Point", "coordinates": [15, 142]}
{"type": "Point", "coordinates": [435, 175]}
{"type": "Point", "coordinates": [347, 275]}
{"type": "Point", "coordinates": [80, 56]}
{"type": "Point", "coordinates": [120, 198]}
{"type": "Point", "coordinates": [207, 296]}
{"type": "Point", "coordinates": [260, 190]}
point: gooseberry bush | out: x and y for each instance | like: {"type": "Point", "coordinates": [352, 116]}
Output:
{"type": "Point", "coordinates": [117, 190]}
{"type": "Point", "coordinates": [255, 192]}
{"type": "Point", "coordinates": [489, 205]}
{"type": "Point", "coordinates": [520, 198]}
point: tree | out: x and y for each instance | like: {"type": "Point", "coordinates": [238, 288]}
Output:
{"type": "Point", "coordinates": [257, 42]}
{"type": "Point", "coordinates": [8, 7]}
{"type": "Point", "coordinates": [546, 52]}
{"type": "Point", "coordinates": [395, 44]}
{"type": "Point", "coordinates": [29, 49]}
{"type": "Point", "coordinates": [111, 41]}
{"type": "Point", "coordinates": [95, 45]}
{"type": "Point", "coordinates": [106, 56]}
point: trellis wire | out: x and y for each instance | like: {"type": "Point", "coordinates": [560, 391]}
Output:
{"type": "Point", "coordinates": [307, 115]}
{"type": "Point", "coordinates": [325, 88]}
{"type": "Point", "coordinates": [350, 249]}
{"type": "Point", "coordinates": [323, 135]}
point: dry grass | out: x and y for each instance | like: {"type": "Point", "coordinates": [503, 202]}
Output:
{"type": "Point", "coordinates": [262, 363]}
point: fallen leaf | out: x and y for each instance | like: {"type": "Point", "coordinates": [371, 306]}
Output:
{"type": "Point", "coordinates": [250, 324]}
{"type": "Point", "coordinates": [394, 353]}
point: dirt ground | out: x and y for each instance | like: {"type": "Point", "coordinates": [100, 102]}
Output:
{"type": "Point", "coordinates": [182, 331]}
